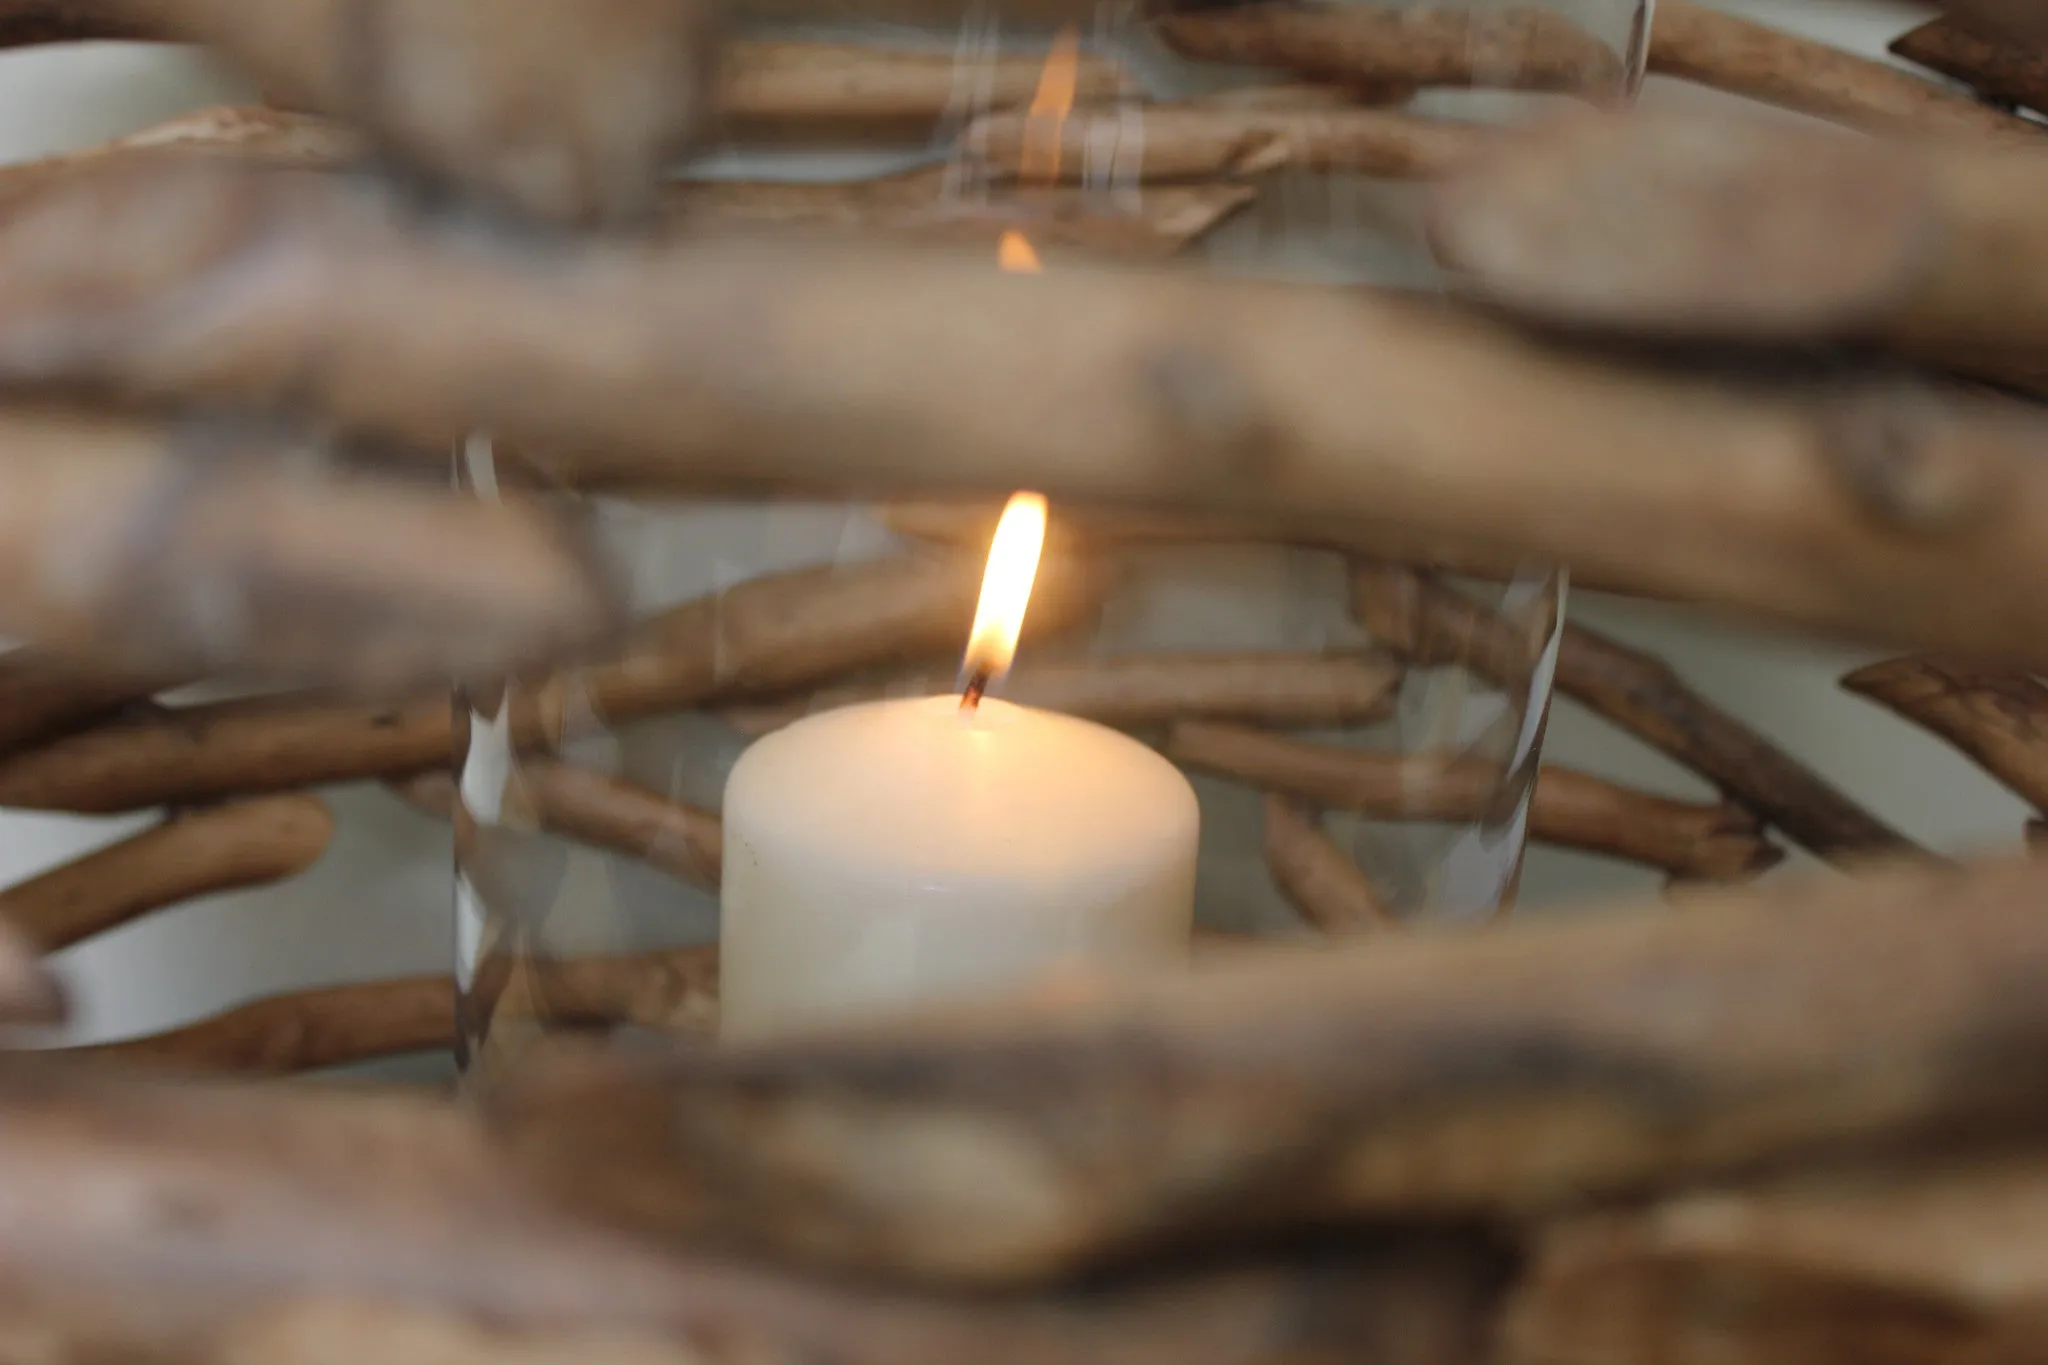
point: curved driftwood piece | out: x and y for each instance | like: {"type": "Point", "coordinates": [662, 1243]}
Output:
{"type": "Point", "coordinates": [1513, 47]}
{"type": "Point", "coordinates": [1574, 809]}
{"type": "Point", "coordinates": [553, 109]}
{"type": "Point", "coordinates": [927, 370]}
{"type": "Point", "coordinates": [762, 637]}
{"type": "Point", "coordinates": [1152, 689]}
{"type": "Point", "coordinates": [1435, 625]}
{"type": "Point", "coordinates": [1995, 69]}
{"type": "Point", "coordinates": [1999, 719]}
{"type": "Point", "coordinates": [1318, 878]}
{"type": "Point", "coordinates": [1204, 140]}
{"type": "Point", "coordinates": [1712, 47]}
{"type": "Point", "coordinates": [1537, 1065]}
{"type": "Point", "coordinates": [119, 548]}
{"type": "Point", "coordinates": [602, 811]}
{"type": "Point", "coordinates": [674, 991]}
{"type": "Point", "coordinates": [402, 1202]}
{"type": "Point", "coordinates": [43, 695]}
{"type": "Point", "coordinates": [1892, 1263]}
{"type": "Point", "coordinates": [1932, 249]}
{"type": "Point", "coordinates": [225, 848]}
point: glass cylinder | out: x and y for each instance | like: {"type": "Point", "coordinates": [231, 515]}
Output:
{"type": "Point", "coordinates": [1359, 720]}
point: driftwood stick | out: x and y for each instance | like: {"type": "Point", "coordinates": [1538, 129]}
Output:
{"type": "Point", "coordinates": [1929, 250]}
{"type": "Point", "coordinates": [1152, 689]}
{"type": "Point", "coordinates": [601, 811]}
{"type": "Point", "coordinates": [29, 993]}
{"type": "Point", "coordinates": [1203, 140]}
{"type": "Point", "coordinates": [30, 23]}
{"type": "Point", "coordinates": [554, 109]}
{"type": "Point", "coordinates": [1319, 879]}
{"type": "Point", "coordinates": [1711, 47]}
{"type": "Point", "coordinates": [1517, 48]}
{"type": "Point", "coordinates": [43, 695]}
{"type": "Point", "coordinates": [116, 547]}
{"type": "Point", "coordinates": [1993, 68]}
{"type": "Point", "coordinates": [403, 1202]}
{"type": "Point", "coordinates": [1998, 719]}
{"type": "Point", "coordinates": [1574, 809]}
{"type": "Point", "coordinates": [2019, 21]}
{"type": "Point", "coordinates": [1892, 1263]}
{"type": "Point", "coordinates": [1537, 1065]}
{"type": "Point", "coordinates": [1434, 625]}
{"type": "Point", "coordinates": [1084, 383]}
{"type": "Point", "coordinates": [765, 636]}
{"type": "Point", "coordinates": [199, 854]}
{"type": "Point", "coordinates": [674, 991]}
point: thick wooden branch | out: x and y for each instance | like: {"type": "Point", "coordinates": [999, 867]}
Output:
{"type": "Point", "coordinates": [1513, 47]}
{"type": "Point", "coordinates": [1993, 68]}
{"type": "Point", "coordinates": [1930, 249]}
{"type": "Point", "coordinates": [1433, 624]}
{"type": "Point", "coordinates": [1892, 1263]}
{"type": "Point", "coordinates": [1153, 689]}
{"type": "Point", "coordinates": [602, 811]}
{"type": "Point", "coordinates": [1537, 1065]}
{"type": "Point", "coordinates": [1999, 719]}
{"type": "Point", "coordinates": [1329, 890]}
{"type": "Point", "coordinates": [1712, 47]}
{"type": "Point", "coordinates": [1574, 809]}
{"type": "Point", "coordinates": [43, 695]}
{"type": "Point", "coordinates": [675, 992]}
{"type": "Point", "coordinates": [145, 549]}
{"type": "Point", "coordinates": [932, 371]}
{"type": "Point", "coordinates": [225, 848]}
{"type": "Point", "coordinates": [403, 1204]}
{"type": "Point", "coordinates": [762, 637]}
{"type": "Point", "coordinates": [1205, 140]}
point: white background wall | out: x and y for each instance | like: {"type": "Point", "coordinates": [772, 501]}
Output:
{"type": "Point", "coordinates": [378, 904]}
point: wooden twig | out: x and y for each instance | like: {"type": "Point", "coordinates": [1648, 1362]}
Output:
{"type": "Point", "coordinates": [29, 994]}
{"type": "Point", "coordinates": [1574, 809]}
{"type": "Point", "coordinates": [1515, 47]}
{"type": "Point", "coordinates": [675, 992]}
{"type": "Point", "coordinates": [601, 811]}
{"type": "Point", "coordinates": [119, 548]}
{"type": "Point", "coordinates": [1999, 719]}
{"type": "Point", "coordinates": [1152, 689]}
{"type": "Point", "coordinates": [402, 1202]}
{"type": "Point", "coordinates": [199, 854]}
{"type": "Point", "coordinates": [1085, 383]}
{"type": "Point", "coordinates": [43, 695]}
{"type": "Point", "coordinates": [1543, 1063]}
{"type": "Point", "coordinates": [762, 637]}
{"type": "Point", "coordinates": [1435, 625]}
{"type": "Point", "coordinates": [1319, 879]}
{"type": "Point", "coordinates": [1929, 251]}
{"type": "Point", "coordinates": [1712, 47]}
{"type": "Point", "coordinates": [1897, 1263]}
{"type": "Point", "coordinates": [1204, 140]}
{"type": "Point", "coordinates": [1996, 69]}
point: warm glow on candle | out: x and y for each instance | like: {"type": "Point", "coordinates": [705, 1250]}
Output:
{"type": "Point", "coordinates": [1013, 253]}
{"type": "Point", "coordinates": [1005, 591]}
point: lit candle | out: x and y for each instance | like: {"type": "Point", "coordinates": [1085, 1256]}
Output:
{"type": "Point", "coordinates": [898, 851]}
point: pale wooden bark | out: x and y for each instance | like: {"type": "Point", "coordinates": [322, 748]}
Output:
{"type": "Point", "coordinates": [1152, 689]}
{"type": "Point", "coordinates": [225, 848]}
{"type": "Point", "coordinates": [1537, 1065]}
{"type": "Point", "coordinates": [1712, 47]}
{"type": "Point", "coordinates": [1321, 881]}
{"type": "Point", "coordinates": [761, 637]}
{"type": "Point", "coordinates": [1999, 719]}
{"type": "Point", "coordinates": [934, 371]}
{"type": "Point", "coordinates": [1434, 624]}
{"type": "Point", "coordinates": [1577, 810]}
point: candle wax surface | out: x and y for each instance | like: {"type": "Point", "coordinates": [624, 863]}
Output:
{"type": "Point", "coordinates": [903, 850]}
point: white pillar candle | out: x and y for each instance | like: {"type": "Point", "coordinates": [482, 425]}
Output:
{"type": "Point", "coordinates": [906, 850]}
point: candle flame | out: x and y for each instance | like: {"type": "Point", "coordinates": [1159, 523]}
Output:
{"type": "Point", "coordinates": [1005, 592]}
{"type": "Point", "coordinates": [1015, 253]}
{"type": "Point", "coordinates": [1039, 158]}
